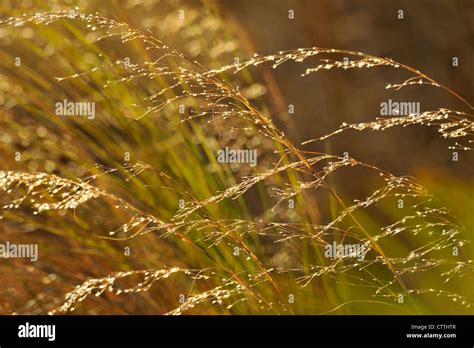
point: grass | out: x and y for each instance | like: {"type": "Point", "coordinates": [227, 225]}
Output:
{"type": "Point", "coordinates": [133, 213]}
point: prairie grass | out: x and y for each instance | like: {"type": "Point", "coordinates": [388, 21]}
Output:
{"type": "Point", "coordinates": [133, 214]}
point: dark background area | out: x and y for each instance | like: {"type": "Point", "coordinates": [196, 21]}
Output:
{"type": "Point", "coordinates": [429, 36]}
